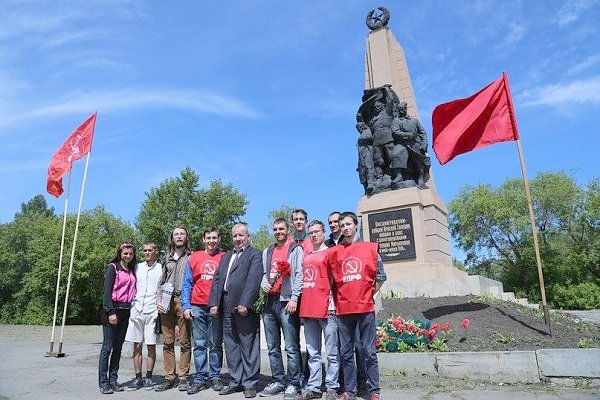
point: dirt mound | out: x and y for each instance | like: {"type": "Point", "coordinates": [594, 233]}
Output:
{"type": "Point", "coordinates": [495, 325]}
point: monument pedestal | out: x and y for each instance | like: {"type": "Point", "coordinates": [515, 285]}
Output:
{"type": "Point", "coordinates": [411, 227]}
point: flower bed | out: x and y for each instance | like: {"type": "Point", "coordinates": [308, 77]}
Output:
{"type": "Point", "coordinates": [402, 335]}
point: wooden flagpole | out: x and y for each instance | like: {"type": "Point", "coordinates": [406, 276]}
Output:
{"type": "Point", "coordinates": [64, 318]}
{"type": "Point", "coordinates": [538, 259]}
{"type": "Point", "coordinates": [51, 353]}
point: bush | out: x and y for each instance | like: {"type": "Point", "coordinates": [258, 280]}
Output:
{"type": "Point", "coordinates": [584, 296]}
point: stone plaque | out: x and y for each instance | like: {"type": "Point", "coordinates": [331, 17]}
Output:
{"type": "Point", "coordinates": [393, 231]}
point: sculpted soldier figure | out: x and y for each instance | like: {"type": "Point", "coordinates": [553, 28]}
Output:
{"type": "Point", "coordinates": [366, 169]}
{"type": "Point", "coordinates": [399, 143]}
{"type": "Point", "coordinates": [411, 140]}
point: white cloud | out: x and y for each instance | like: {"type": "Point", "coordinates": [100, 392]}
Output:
{"type": "Point", "coordinates": [117, 101]}
{"type": "Point", "coordinates": [515, 34]}
{"type": "Point", "coordinates": [585, 64]}
{"type": "Point", "coordinates": [579, 92]}
{"type": "Point", "coordinates": [572, 10]}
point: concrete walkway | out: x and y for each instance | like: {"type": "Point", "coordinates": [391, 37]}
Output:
{"type": "Point", "coordinates": [26, 374]}
{"type": "Point", "coordinates": [588, 316]}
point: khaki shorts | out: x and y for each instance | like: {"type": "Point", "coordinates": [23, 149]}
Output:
{"type": "Point", "coordinates": [141, 328]}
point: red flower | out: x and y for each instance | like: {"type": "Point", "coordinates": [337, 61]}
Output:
{"type": "Point", "coordinates": [421, 332]}
{"type": "Point", "coordinates": [377, 343]}
{"type": "Point", "coordinates": [445, 326]}
{"type": "Point", "coordinates": [431, 334]}
{"type": "Point", "coordinates": [465, 323]}
{"type": "Point", "coordinates": [412, 328]}
{"type": "Point", "coordinates": [284, 268]}
{"type": "Point", "coordinates": [435, 326]}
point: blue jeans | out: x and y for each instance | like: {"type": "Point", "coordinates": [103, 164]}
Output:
{"type": "Point", "coordinates": [366, 334]}
{"type": "Point", "coordinates": [313, 327]}
{"type": "Point", "coordinates": [112, 343]}
{"type": "Point", "coordinates": [207, 336]}
{"type": "Point", "coordinates": [276, 320]}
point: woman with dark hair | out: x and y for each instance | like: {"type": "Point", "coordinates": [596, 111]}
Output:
{"type": "Point", "coordinates": [119, 291]}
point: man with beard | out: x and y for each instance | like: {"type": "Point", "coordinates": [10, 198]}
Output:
{"type": "Point", "coordinates": [173, 271]}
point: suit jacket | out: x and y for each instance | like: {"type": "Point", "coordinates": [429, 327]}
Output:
{"type": "Point", "coordinates": [243, 282]}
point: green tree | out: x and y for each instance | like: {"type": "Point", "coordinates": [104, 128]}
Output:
{"type": "Point", "coordinates": [180, 201]}
{"type": "Point", "coordinates": [29, 255]}
{"type": "Point", "coordinates": [492, 226]}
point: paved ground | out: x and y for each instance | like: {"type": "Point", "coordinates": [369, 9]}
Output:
{"type": "Point", "coordinates": [587, 316]}
{"type": "Point", "coordinates": [26, 374]}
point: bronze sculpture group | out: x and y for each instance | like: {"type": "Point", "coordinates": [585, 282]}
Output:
{"type": "Point", "coordinates": [392, 146]}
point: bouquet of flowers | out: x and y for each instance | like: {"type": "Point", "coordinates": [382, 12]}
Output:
{"type": "Point", "coordinates": [278, 272]}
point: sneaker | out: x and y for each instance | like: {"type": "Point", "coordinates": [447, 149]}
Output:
{"type": "Point", "coordinates": [375, 396]}
{"type": "Point", "coordinates": [183, 386]}
{"type": "Point", "coordinates": [290, 393]}
{"type": "Point", "coordinates": [331, 395]}
{"type": "Point", "coordinates": [216, 384]}
{"type": "Point", "coordinates": [272, 389]}
{"type": "Point", "coordinates": [166, 385]}
{"type": "Point", "coordinates": [309, 394]}
{"type": "Point", "coordinates": [196, 387]}
{"type": "Point", "coordinates": [116, 387]}
{"type": "Point", "coordinates": [135, 384]}
{"type": "Point", "coordinates": [106, 390]}
{"type": "Point", "coordinates": [149, 383]}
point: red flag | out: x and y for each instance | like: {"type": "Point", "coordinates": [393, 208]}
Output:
{"type": "Point", "coordinates": [77, 145]}
{"type": "Point", "coordinates": [485, 118]}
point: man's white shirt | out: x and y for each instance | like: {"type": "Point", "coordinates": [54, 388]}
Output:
{"type": "Point", "coordinates": [148, 278]}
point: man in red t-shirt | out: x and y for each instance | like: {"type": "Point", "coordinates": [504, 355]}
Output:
{"type": "Point", "coordinates": [356, 272]}
{"type": "Point", "coordinates": [318, 315]}
{"type": "Point", "coordinates": [282, 280]}
{"type": "Point", "coordinates": [207, 332]}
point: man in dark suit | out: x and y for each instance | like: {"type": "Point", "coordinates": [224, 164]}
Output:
{"type": "Point", "coordinates": [232, 297]}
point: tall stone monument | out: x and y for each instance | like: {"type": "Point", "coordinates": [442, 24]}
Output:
{"type": "Point", "coordinates": [401, 209]}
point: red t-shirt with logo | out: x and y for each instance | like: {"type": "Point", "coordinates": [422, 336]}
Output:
{"type": "Point", "coordinates": [203, 266]}
{"type": "Point", "coordinates": [353, 267]}
{"type": "Point", "coordinates": [315, 286]}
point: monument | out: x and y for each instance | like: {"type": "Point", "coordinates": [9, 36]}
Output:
{"type": "Point", "coordinates": [401, 209]}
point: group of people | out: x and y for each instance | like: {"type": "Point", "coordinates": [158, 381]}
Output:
{"type": "Point", "coordinates": [217, 298]}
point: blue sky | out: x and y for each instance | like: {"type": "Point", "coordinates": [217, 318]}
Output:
{"type": "Point", "coordinates": [263, 94]}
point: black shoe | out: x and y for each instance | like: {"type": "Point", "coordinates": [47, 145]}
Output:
{"type": "Point", "coordinates": [116, 387]}
{"type": "Point", "coordinates": [216, 384]}
{"type": "Point", "coordinates": [196, 387]}
{"type": "Point", "coordinates": [249, 393]}
{"type": "Point", "coordinates": [230, 389]}
{"type": "Point", "coordinates": [106, 390]}
{"type": "Point", "coordinates": [166, 385]}
{"type": "Point", "coordinates": [135, 384]}
{"type": "Point", "coordinates": [183, 386]}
